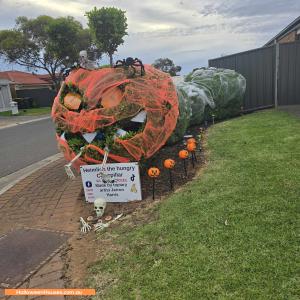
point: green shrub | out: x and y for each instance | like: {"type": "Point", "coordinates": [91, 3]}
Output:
{"type": "Point", "coordinates": [225, 87]}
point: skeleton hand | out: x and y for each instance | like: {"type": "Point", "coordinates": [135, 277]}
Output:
{"type": "Point", "coordinates": [100, 226]}
{"type": "Point", "coordinates": [85, 227]}
{"type": "Point", "coordinates": [69, 171]}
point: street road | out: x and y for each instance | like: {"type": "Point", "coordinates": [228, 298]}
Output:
{"type": "Point", "coordinates": [23, 145]}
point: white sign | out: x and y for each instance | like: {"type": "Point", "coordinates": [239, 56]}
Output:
{"type": "Point", "coordinates": [113, 182]}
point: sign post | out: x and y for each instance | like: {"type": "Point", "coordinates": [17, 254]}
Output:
{"type": "Point", "coordinates": [118, 182]}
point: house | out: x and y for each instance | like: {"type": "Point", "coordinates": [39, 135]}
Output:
{"type": "Point", "coordinates": [46, 77]}
{"type": "Point", "coordinates": [5, 95]}
{"type": "Point", "coordinates": [30, 86]}
{"type": "Point", "coordinates": [290, 33]}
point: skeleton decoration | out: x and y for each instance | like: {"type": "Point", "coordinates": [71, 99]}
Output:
{"type": "Point", "coordinates": [68, 166]}
{"type": "Point", "coordinates": [85, 227]}
{"type": "Point", "coordinates": [100, 225]}
{"type": "Point", "coordinates": [99, 207]}
{"type": "Point", "coordinates": [85, 62]}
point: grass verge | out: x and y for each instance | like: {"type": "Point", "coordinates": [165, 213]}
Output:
{"type": "Point", "coordinates": [28, 112]}
{"type": "Point", "coordinates": [230, 234]}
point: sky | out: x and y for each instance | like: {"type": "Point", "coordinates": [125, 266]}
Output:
{"type": "Point", "coordinates": [188, 32]}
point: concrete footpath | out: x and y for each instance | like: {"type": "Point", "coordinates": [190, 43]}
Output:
{"type": "Point", "coordinates": [11, 121]}
{"type": "Point", "coordinates": [45, 200]}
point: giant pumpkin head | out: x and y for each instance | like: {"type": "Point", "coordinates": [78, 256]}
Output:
{"type": "Point", "coordinates": [133, 117]}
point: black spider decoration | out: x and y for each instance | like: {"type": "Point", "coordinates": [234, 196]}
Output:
{"type": "Point", "coordinates": [130, 63]}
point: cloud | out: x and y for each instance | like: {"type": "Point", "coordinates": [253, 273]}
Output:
{"type": "Point", "coordinates": [189, 32]}
{"type": "Point", "coordinates": [237, 8]}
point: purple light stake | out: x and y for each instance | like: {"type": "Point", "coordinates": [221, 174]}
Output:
{"type": "Point", "coordinates": [195, 157]}
{"type": "Point", "coordinates": [183, 154]}
{"type": "Point", "coordinates": [205, 124]}
{"type": "Point", "coordinates": [170, 164]}
{"type": "Point", "coordinates": [171, 180]}
{"type": "Point", "coordinates": [200, 138]}
{"type": "Point", "coordinates": [184, 166]}
{"type": "Point", "coordinates": [153, 173]}
{"type": "Point", "coordinates": [199, 142]}
{"type": "Point", "coordinates": [153, 188]}
{"type": "Point", "coordinates": [191, 147]}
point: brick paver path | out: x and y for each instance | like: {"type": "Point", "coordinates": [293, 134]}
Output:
{"type": "Point", "coordinates": [48, 200]}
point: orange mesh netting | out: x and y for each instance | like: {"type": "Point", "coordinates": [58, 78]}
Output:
{"type": "Point", "coordinates": [108, 96]}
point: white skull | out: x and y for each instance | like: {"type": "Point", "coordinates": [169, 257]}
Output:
{"type": "Point", "coordinates": [83, 54]}
{"type": "Point", "coordinates": [99, 206]}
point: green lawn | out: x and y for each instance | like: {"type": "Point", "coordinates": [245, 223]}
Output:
{"type": "Point", "coordinates": [29, 112]}
{"type": "Point", "coordinates": [233, 233]}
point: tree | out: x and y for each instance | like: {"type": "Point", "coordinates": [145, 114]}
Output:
{"type": "Point", "coordinates": [108, 27]}
{"type": "Point", "coordinates": [45, 43]}
{"type": "Point", "coordinates": [166, 65]}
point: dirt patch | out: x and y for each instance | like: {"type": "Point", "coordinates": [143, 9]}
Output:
{"type": "Point", "coordinates": [85, 249]}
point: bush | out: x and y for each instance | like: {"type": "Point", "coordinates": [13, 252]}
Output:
{"type": "Point", "coordinates": [223, 86]}
{"type": "Point", "coordinates": [184, 117]}
{"type": "Point", "coordinates": [206, 92]}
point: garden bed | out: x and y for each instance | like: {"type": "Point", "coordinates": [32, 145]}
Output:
{"type": "Point", "coordinates": [135, 212]}
{"type": "Point", "coordinates": [230, 234]}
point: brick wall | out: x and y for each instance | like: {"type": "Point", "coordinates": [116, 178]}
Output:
{"type": "Point", "coordinates": [291, 37]}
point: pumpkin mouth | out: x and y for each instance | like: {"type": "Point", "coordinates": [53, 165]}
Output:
{"type": "Point", "coordinates": [123, 130]}
{"type": "Point", "coordinates": [108, 136]}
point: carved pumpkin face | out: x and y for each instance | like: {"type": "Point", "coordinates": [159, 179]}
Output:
{"type": "Point", "coordinates": [169, 163]}
{"type": "Point", "coordinates": [183, 154]}
{"type": "Point", "coordinates": [191, 141]}
{"type": "Point", "coordinates": [133, 117]}
{"type": "Point", "coordinates": [191, 147]}
{"type": "Point", "coordinates": [153, 172]}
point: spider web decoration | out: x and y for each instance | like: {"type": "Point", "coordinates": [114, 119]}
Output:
{"type": "Point", "coordinates": [109, 100]}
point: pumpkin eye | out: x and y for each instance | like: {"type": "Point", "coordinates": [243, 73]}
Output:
{"type": "Point", "coordinates": [111, 97]}
{"type": "Point", "coordinates": [72, 101]}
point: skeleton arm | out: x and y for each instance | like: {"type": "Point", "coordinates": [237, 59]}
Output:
{"type": "Point", "coordinates": [100, 225]}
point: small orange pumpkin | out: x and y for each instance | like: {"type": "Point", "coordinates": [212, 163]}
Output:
{"type": "Point", "coordinates": [183, 154]}
{"type": "Point", "coordinates": [191, 147]}
{"type": "Point", "coordinates": [153, 172]}
{"type": "Point", "coordinates": [191, 141]}
{"type": "Point", "coordinates": [169, 163]}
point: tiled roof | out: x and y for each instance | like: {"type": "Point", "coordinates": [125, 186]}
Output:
{"type": "Point", "coordinates": [45, 77]}
{"type": "Point", "coordinates": [23, 78]}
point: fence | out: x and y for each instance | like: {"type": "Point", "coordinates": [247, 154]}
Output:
{"type": "Point", "coordinates": [271, 73]}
